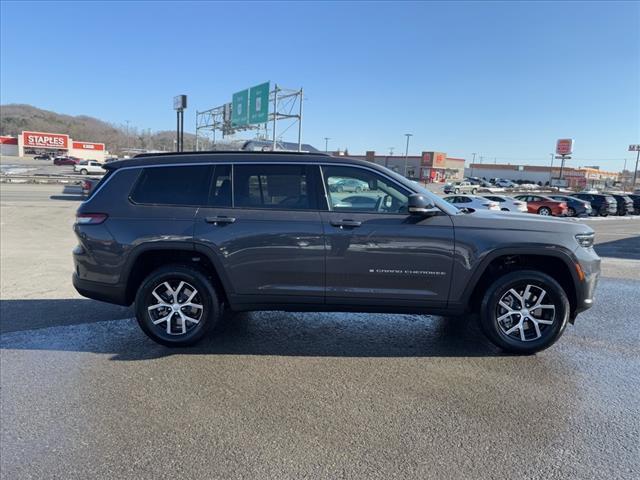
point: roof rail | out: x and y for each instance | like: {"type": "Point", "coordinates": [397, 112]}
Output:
{"type": "Point", "coordinates": [226, 152]}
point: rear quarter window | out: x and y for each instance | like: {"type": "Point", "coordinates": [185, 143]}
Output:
{"type": "Point", "coordinates": [182, 185]}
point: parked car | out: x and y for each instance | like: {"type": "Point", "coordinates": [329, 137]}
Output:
{"type": "Point", "coordinates": [89, 166]}
{"type": "Point", "coordinates": [65, 161]}
{"type": "Point", "coordinates": [43, 156]}
{"type": "Point", "coordinates": [624, 204]}
{"type": "Point", "coordinates": [636, 203]}
{"type": "Point", "coordinates": [473, 202]}
{"type": "Point", "coordinates": [480, 182]}
{"type": "Point", "coordinates": [528, 186]}
{"type": "Point", "coordinates": [508, 204]}
{"type": "Point", "coordinates": [87, 185]}
{"type": "Point", "coordinates": [575, 206]}
{"type": "Point", "coordinates": [231, 232]}
{"type": "Point", "coordinates": [460, 187]}
{"type": "Point", "coordinates": [348, 185]}
{"type": "Point", "coordinates": [501, 182]}
{"type": "Point", "coordinates": [543, 205]}
{"type": "Point", "coordinates": [601, 204]}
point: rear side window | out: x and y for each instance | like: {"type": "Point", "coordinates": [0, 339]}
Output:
{"type": "Point", "coordinates": [188, 185]}
{"type": "Point", "coordinates": [284, 187]}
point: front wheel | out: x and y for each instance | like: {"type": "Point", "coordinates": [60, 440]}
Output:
{"type": "Point", "coordinates": [474, 191]}
{"type": "Point", "coordinates": [604, 212]}
{"type": "Point", "coordinates": [457, 190]}
{"type": "Point", "coordinates": [571, 212]}
{"type": "Point", "coordinates": [524, 311]}
{"type": "Point", "coordinates": [84, 171]}
{"type": "Point", "coordinates": [177, 306]}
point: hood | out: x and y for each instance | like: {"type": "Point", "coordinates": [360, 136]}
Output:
{"type": "Point", "coordinates": [487, 219]}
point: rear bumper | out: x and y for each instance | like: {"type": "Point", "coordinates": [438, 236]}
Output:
{"type": "Point", "coordinates": [110, 293]}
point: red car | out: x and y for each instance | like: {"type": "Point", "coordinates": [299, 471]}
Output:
{"type": "Point", "coordinates": [544, 205]}
{"type": "Point", "coordinates": [66, 161]}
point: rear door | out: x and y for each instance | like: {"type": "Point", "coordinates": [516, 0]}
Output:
{"type": "Point", "coordinates": [377, 254]}
{"type": "Point", "coordinates": [264, 227]}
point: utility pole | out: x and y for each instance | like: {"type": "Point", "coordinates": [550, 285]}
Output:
{"type": "Point", "coordinates": [624, 169]}
{"type": "Point", "coordinates": [551, 170]}
{"type": "Point", "coordinates": [472, 162]}
{"type": "Point", "coordinates": [326, 144]}
{"type": "Point", "coordinates": [391, 151]}
{"type": "Point", "coordinates": [406, 153]}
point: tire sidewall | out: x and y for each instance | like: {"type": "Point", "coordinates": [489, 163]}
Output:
{"type": "Point", "coordinates": [544, 209]}
{"type": "Point", "coordinates": [488, 320]}
{"type": "Point", "coordinates": [210, 302]}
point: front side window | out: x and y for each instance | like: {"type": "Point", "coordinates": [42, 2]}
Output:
{"type": "Point", "coordinates": [220, 195]}
{"type": "Point", "coordinates": [351, 189]}
{"type": "Point", "coordinates": [284, 187]}
{"type": "Point", "coordinates": [183, 185]}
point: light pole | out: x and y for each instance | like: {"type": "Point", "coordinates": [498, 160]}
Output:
{"type": "Point", "coordinates": [406, 153]}
{"type": "Point", "coordinates": [635, 170]}
{"type": "Point", "coordinates": [128, 142]}
{"type": "Point", "coordinates": [472, 162]}
{"type": "Point", "coordinates": [551, 171]}
{"type": "Point", "coordinates": [326, 144]}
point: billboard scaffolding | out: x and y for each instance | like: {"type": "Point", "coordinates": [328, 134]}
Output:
{"type": "Point", "coordinates": [269, 112]}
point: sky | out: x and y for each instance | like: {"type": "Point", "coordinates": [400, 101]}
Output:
{"type": "Point", "coordinates": [503, 80]}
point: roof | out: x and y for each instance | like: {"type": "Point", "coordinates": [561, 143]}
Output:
{"type": "Point", "coordinates": [149, 159]}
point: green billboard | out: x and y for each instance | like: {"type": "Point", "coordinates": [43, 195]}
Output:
{"type": "Point", "coordinates": [259, 103]}
{"type": "Point", "coordinates": [240, 108]}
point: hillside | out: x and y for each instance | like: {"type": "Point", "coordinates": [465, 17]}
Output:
{"type": "Point", "coordinates": [15, 118]}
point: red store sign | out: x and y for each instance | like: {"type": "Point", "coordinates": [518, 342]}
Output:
{"type": "Point", "coordinates": [45, 140]}
{"type": "Point", "coordinates": [88, 146]}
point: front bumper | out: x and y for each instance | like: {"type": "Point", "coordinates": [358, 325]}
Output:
{"type": "Point", "coordinates": [589, 263]}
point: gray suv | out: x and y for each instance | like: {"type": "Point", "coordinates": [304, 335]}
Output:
{"type": "Point", "coordinates": [193, 237]}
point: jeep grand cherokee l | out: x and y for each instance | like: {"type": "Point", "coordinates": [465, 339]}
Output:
{"type": "Point", "coordinates": [187, 237]}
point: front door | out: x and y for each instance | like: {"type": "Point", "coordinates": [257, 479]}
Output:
{"type": "Point", "coordinates": [263, 225]}
{"type": "Point", "coordinates": [378, 254]}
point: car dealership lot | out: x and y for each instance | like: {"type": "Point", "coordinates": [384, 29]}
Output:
{"type": "Point", "coordinates": [319, 395]}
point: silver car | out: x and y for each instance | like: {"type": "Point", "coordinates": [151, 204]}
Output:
{"type": "Point", "coordinates": [508, 204]}
{"type": "Point", "coordinates": [472, 201]}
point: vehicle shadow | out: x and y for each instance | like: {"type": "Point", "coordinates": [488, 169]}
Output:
{"type": "Point", "coordinates": [627, 248]}
{"type": "Point", "coordinates": [88, 326]}
{"type": "Point", "coordinates": [77, 198]}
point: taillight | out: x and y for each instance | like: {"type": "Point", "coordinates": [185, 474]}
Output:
{"type": "Point", "coordinates": [90, 218]}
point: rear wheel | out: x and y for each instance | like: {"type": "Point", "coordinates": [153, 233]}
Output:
{"type": "Point", "coordinates": [176, 306]}
{"type": "Point", "coordinates": [604, 211]}
{"type": "Point", "coordinates": [571, 212]}
{"type": "Point", "coordinates": [84, 171]}
{"type": "Point", "coordinates": [457, 190]}
{"type": "Point", "coordinates": [544, 211]}
{"type": "Point", "coordinates": [524, 311]}
{"type": "Point", "coordinates": [474, 191]}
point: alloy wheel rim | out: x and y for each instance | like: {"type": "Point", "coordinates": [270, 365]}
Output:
{"type": "Point", "coordinates": [178, 308]}
{"type": "Point", "coordinates": [522, 315]}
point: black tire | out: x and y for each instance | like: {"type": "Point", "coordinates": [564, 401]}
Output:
{"type": "Point", "coordinates": [358, 189]}
{"type": "Point", "coordinates": [504, 209]}
{"type": "Point", "coordinates": [474, 191]}
{"type": "Point", "coordinates": [457, 190]}
{"type": "Point", "coordinates": [571, 212]}
{"type": "Point", "coordinates": [604, 212]}
{"type": "Point", "coordinates": [517, 280]}
{"type": "Point", "coordinates": [84, 171]}
{"type": "Point", "coordinates": [544, 211]}
{"type": "Point", "coordinates": [206, 296]}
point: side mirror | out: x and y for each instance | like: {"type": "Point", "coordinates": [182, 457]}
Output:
{"type": "Point", "coordinates": [420, 204]}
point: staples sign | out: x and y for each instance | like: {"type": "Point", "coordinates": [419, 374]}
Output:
{"type": "Point", "coordinates": [45, 140]}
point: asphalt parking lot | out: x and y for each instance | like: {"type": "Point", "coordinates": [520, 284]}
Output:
{"type": "Point", "coordinates": [84, 394]}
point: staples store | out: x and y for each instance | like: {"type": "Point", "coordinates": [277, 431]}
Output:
{"type": "Point", "coordinates": [34, 143]}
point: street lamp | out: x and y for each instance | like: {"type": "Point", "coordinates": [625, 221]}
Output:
{"type": "Point", "coordinates": [406, 153]}
{"type": "Point", "coordinates": [326, 144]}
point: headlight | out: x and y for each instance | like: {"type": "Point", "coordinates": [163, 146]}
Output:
{"type": "Point", "coordinates": [585, 239]}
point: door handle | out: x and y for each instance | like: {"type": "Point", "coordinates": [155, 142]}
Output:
{"type": "Point", "coordinates": [346, 223]}
{"type": "Point", "coordinates": [220, 220]}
